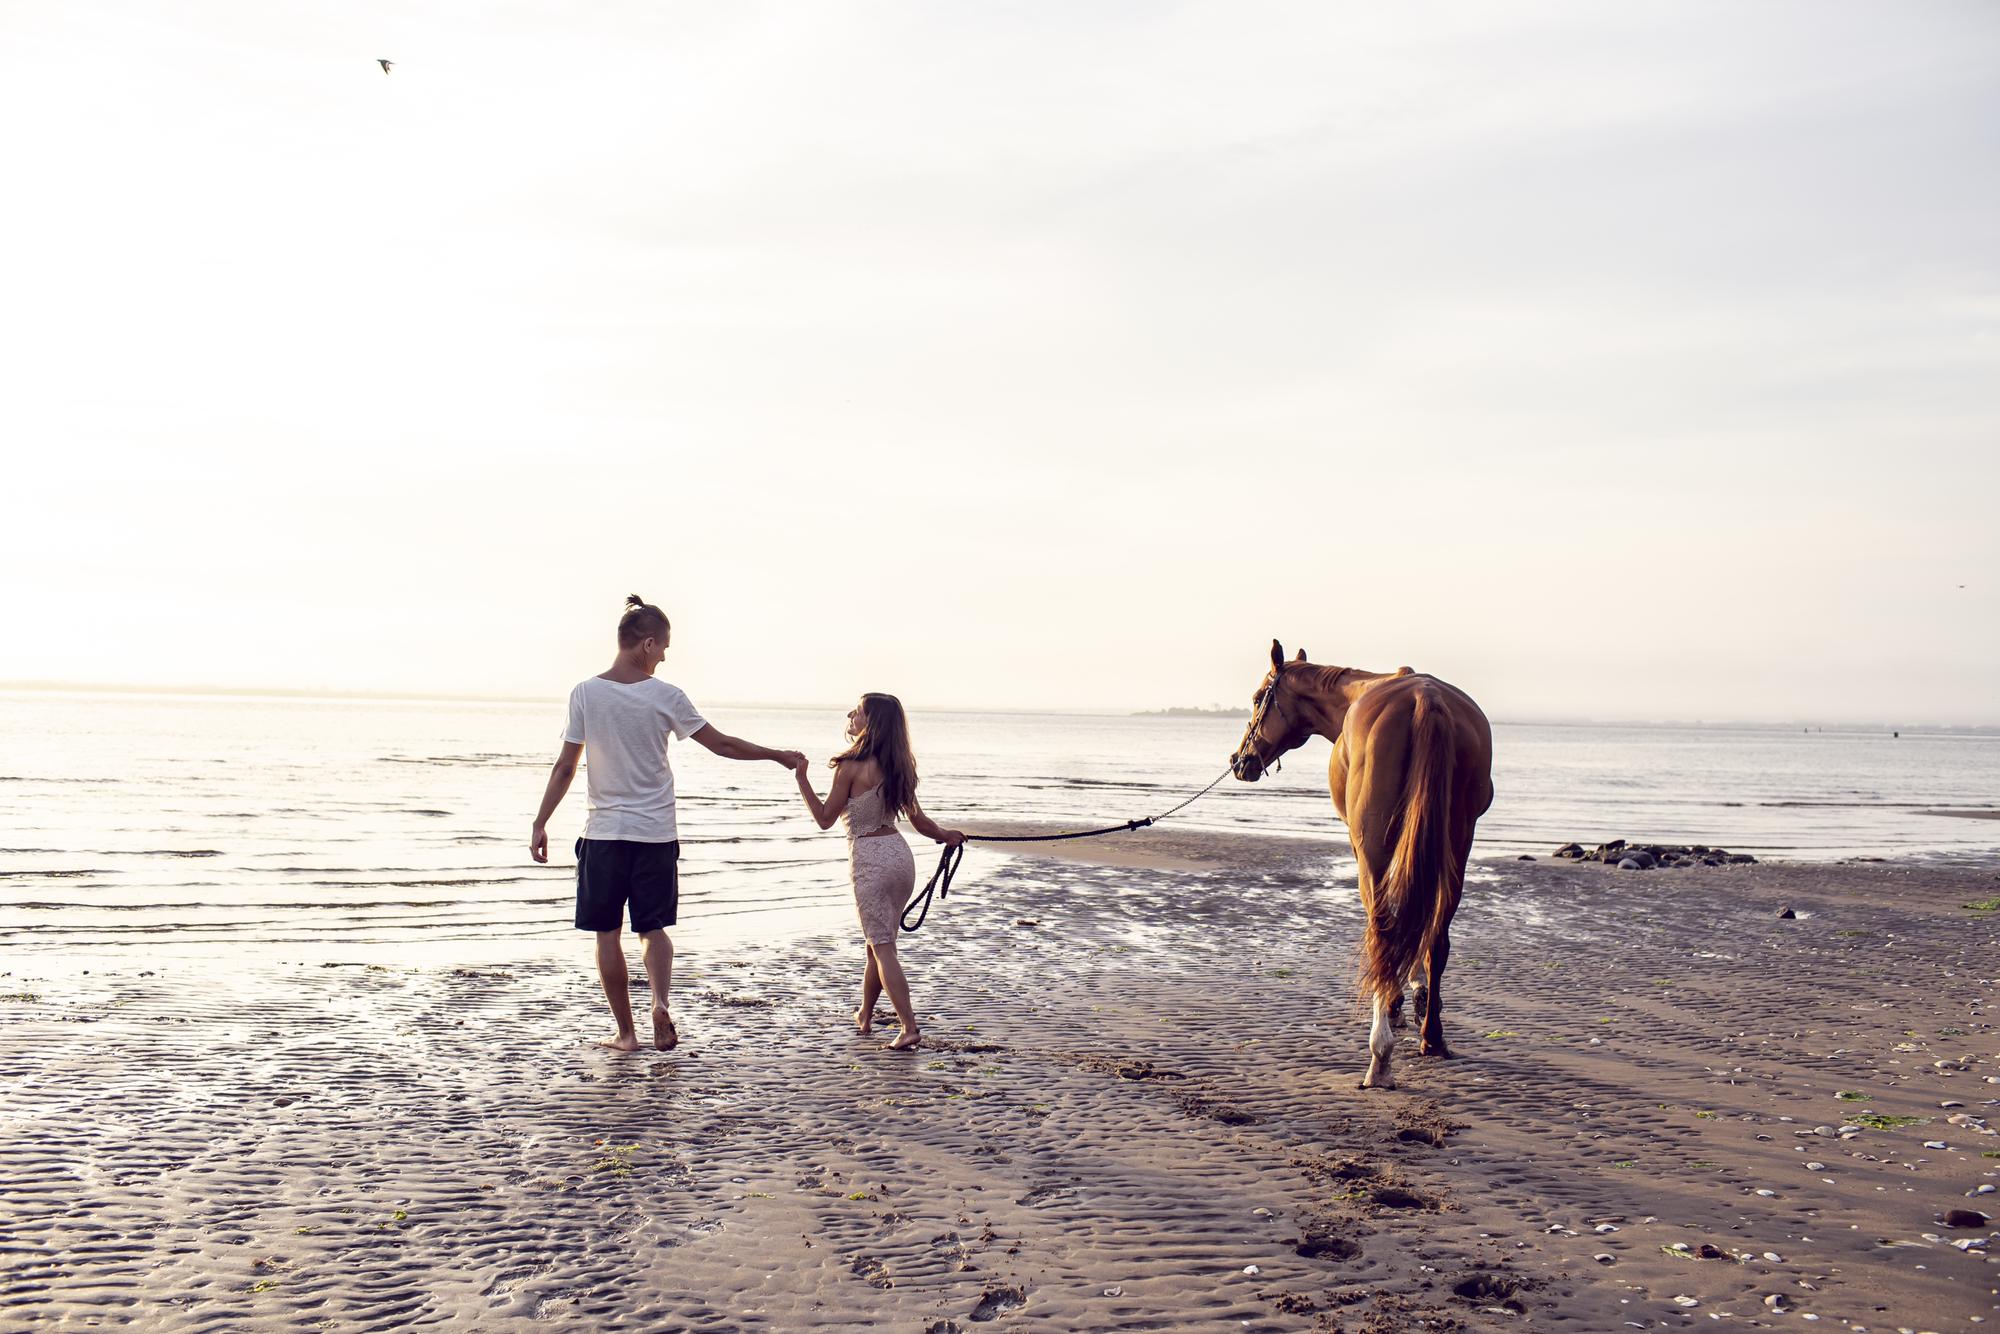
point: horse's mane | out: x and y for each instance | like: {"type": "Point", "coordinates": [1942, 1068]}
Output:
{"type": "Point", "coordinates": [1327, 679]}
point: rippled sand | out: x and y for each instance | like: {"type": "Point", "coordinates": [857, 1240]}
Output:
{"type": "Point", "coordinates": [1136, 1109]}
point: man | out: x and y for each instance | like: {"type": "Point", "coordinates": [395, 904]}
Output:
{"type": "Point", "coordinates": [630, 849]}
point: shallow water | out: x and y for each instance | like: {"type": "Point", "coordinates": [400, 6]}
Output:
{"type": "Point", "coordinates": [210, 824]}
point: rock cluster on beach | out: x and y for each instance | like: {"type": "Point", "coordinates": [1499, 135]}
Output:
{"type": "Point", "coordinates": [1652, 856]}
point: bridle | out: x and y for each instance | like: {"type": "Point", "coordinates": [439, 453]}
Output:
{"type": "Point", "coordinates": [1256, 729]}
{"type": "Point", "coordinates": [1265, 702]}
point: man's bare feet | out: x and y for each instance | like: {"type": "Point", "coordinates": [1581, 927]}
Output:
{"type": "Point", "coordinates": [864, 1020]}
{"type": "Point", "coordinates": [623, 1042]}
{"type": "Point", "coordinates": [665, 1036]}
{"type": "Point", "coordinates": [907, 1040]}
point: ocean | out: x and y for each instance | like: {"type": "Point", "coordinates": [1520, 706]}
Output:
{"type": "Point", "coordinates": [308, 828]}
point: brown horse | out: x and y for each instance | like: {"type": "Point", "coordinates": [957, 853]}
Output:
{"type": "Point", "coordinates": [1411, 774]}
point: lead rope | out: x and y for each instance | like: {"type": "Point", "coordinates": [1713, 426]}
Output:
{"type": "Point", "coordinates": [940, 882]}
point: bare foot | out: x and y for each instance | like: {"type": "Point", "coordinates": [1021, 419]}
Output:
{"type": "Point", "coordinates": [907, 1040]}
{"type": "Point", "coordinates": [864, 1020]}
{"type": "Point", "coordinates": [623, 1042]}
{"type": "Point", "coordinates": [665, 1036]}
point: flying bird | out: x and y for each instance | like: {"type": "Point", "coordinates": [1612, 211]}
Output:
{"type": "Point", "coordinates": [385, 64]}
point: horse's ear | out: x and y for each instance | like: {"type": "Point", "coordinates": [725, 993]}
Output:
{"type": "Point", "coordinates": [1277, 655]}
{"type": "Point", "coordinates": [1301, 657]}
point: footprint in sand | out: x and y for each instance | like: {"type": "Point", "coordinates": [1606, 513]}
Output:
{"type": "Point", "coordinates": [873, 1271]}
{"type": "Point", "coordinates": [1328, 1248]}
{"type": "Point", "coordinates": [1490, 1290]}
{"type": "Point", "coordinates": [1396, 1197]}
{"type": "Point", "coordinates": [997, 1301]}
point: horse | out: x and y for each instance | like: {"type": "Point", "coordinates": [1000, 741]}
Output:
{"type": "Point", "coordinates": [1412, 772]}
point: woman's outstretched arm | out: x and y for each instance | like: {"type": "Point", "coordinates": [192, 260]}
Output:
{"type": "Point", "coordinates": [930, 829]}
{"type": "Point", "coordinates": [826, 812]}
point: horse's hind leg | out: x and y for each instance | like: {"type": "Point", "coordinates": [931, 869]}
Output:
{"type": "Point", "coordinates": [1381, 1046]}
{"type": "Point", "coordinates": [1431, 1012]}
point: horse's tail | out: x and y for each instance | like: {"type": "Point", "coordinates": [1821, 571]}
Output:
{"type": "Point", "coordinates": [1413, 896]}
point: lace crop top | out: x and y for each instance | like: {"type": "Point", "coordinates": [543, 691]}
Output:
{"type": "Point", "coordinates": [866, 814]}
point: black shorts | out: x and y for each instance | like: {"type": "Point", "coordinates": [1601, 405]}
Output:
{"type": "Point", "coordinates": [612, 872]}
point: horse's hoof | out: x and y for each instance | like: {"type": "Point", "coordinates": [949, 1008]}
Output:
{"type": "Point", "coordinates": [1442, 1052]}
{"type": "Point", "coordinates": [1378, 1076]}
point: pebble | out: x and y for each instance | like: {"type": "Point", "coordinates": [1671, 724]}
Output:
{"type": "Point", "coordinates": [1951, 1102]}
{"type": "Point", "coordinates": [1777, 1301]}
{"type": "Point", "coordinates": [1606, 1227]}
{"type": "Point", "coordinates": [1815, 1167]}
{"type": "Point", "coordinates": [1965, 1218]}
{"type": "Point", "coordinates": [1262, 1213]}
{"type": "Point", "coordinates": [1768, 1194]}
{"type": "Point", "coordinates": [1604, 1257]}
{"type": "Point", "coordinates": [1686, 1301]}
{"type": "Point", "coordinates": [1774, 1257]}
{"type": "Point", "coordinates": [1252, 1269]}
{"type": "Point", "coordinates": [1934, 1144]}
{"type": "Point", "coordinates": [1986, 1189]}
{"type": "Point", "coordinates": [1970, 1243]}
{"type": "Point", "coordinates": [1114, 1292]}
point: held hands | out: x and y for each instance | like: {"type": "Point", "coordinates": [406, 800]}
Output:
{"type": "Point", "coordinates": [538, 844]}
{"type": "Point", "coordinates": [793, 760]}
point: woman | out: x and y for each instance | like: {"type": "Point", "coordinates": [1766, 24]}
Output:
{"type": "Point", "coordinates": [874, 781]}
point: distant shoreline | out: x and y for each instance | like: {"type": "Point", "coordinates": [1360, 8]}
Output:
{"type": "Point", "coordinates": [1191, 713]}
{"type": "Point", "coordinates": [1982, 731]}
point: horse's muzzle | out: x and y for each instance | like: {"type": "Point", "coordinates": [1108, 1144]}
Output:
{"type": "Point", "coordinates": [1246, 767]}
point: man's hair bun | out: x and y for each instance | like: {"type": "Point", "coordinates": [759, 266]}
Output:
{"type": "Point", "coordinates": [641, 619]}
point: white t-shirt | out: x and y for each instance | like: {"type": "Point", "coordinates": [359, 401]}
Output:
{"type": "Point", "coordinates": [624, 730]}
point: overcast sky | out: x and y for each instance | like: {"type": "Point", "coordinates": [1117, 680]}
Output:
{"type": "Point", "coordinates": [1635, 360]}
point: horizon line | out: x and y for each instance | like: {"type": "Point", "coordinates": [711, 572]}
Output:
{"type": "Point", "coordinates": [421, 697]}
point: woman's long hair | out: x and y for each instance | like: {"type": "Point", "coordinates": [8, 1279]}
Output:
{"type": "Point", "coordinates": [885, 739]}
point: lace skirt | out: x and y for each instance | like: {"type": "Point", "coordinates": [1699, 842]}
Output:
{"type": "Point", "coordinates": [885, 875]}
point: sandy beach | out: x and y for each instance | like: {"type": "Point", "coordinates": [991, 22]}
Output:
{"type": "Point", "coordinates": [1136, 1108]}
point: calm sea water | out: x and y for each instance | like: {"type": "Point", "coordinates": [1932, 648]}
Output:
{"type": "Point", "coordinates": [218, 825]}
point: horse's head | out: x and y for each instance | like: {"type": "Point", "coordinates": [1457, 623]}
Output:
{"type": "Point", "coordinates": [1278, 719]}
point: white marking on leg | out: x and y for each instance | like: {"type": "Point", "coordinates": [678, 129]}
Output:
{"type": "Point", "coordinates": [1381, 1045]}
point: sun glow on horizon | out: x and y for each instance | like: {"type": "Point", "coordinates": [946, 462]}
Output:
{"type": "Point", "coordinates": [1012, 358]}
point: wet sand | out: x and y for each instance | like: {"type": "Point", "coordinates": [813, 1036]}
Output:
{"type": "Point", "coordinates": [1136, 1108]}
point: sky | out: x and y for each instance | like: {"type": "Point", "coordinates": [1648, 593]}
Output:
{"type": "Point", "coordinates": [1622, 361]}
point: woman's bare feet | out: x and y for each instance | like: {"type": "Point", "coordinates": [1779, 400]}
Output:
{"type": "Point", "coordinates": [665, 1036]}
{"type": "Point", "coordinates": [907, 1040]}
{"type": "Point", "coordinates": [623, 1042]}
{"type": "Point", "coordinates": [864, 1020]}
